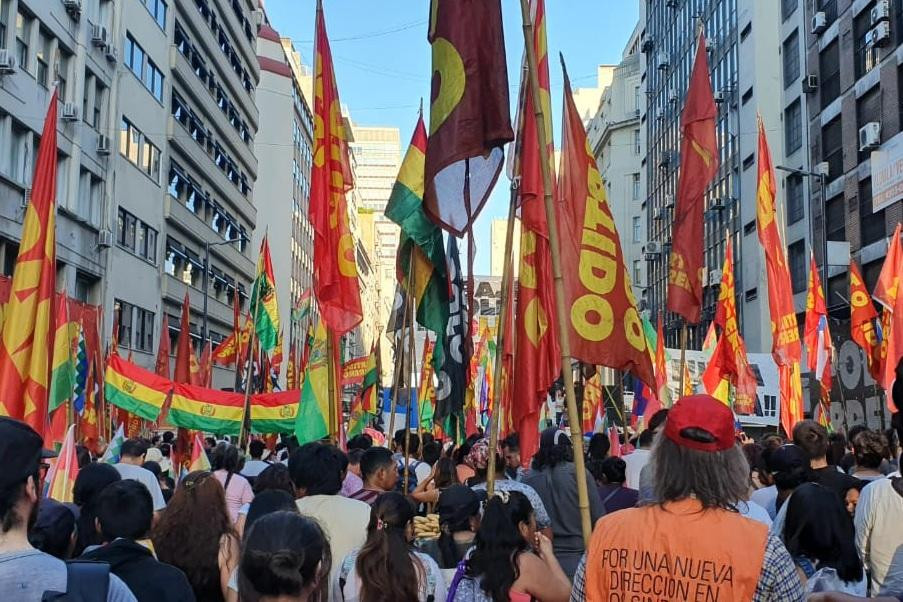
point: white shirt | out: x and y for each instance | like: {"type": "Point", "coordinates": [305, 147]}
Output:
{"type": "Point", "coordinates": [254, 467]}
{"type": "Point", "coordinates": [754, 511]}
{"type": "Point", "coordinates": [432, 582]}
{"type": "Point", "coordinates": [146, 478]}
{"type": "Point", "coordinates": [635, 461]}
{"type": "Point", "coordinates": [879, 535]}
{"type": "Point", "coordinates": [766, 497]}
{"type": "Point", "coordinates": [344, 522]}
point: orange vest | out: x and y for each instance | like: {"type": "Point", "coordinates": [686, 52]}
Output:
{"type": "Point", "coordinates": [675, 552]}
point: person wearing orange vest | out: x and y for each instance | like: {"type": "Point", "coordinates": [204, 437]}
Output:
{"type": "Point", "coordinates": [693, 544]}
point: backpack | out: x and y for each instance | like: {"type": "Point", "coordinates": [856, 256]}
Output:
{"type": "Point", "coordinates": [86, 581]}
{"type": "Point", "coordinates": [412, 476]}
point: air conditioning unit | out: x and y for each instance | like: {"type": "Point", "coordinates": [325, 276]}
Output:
{"type": "Point", "coordinates": [810, 84]}
{"type": "Point", "coordinates": [879, 36]}
{"type": "Point", "coordinates": [99, 35]}
{"type": "Point", "coordinates": [73, 7]}
{"type": "Point", "coordinates": [870, 136]}
{"type": "Point", "coordinates": [819, 23]}
{"type": "Point", "coordinates": [112, 54]}
{"type": "Point", "coordinates": [7, 62]}
{"type": "Point", "coordinates": [664, 61]}
{"type": "Point", "coordinates": [105, 239]}
{"type": "Point", "coordinates": [103, 145]}
{"type": "Point", "coordinates": [69, 112]}
{"type": "Point", "coordinates": [652, 248]}
{"type": "Point", "coordinates": [880, 12]}
{"type": "Point", "coordinates": [714, 277]}
{"type": "Point", "coordinates": [718, 96]}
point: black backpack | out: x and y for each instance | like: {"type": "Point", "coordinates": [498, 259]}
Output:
{"type": "Point", "coordinates": [86, 581]}
{"type": "Point", "coordinates": [412, 475]}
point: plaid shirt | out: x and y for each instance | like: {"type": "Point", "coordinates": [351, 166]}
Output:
{"type": "Point", "coordinates": [778, 581]}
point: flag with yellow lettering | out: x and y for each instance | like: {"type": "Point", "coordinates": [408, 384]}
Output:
{"type": "Point", "coordinates": [605, 327]}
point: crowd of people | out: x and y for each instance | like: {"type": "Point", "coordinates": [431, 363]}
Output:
{"type": "Point", "coordinates": [688, 510]}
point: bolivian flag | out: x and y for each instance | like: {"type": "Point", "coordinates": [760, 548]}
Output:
{"type": "Point", "coordinates": [201, 409]}
{"type": "Point", "coordinates": [274, 412]}
{"type": "Point", "coordinates": [263, 300]}
{"type": "Point", "coordinates": [62, 364]}
{"type": "Point", "coordinates": [135, 389]}
{"type": "Point", "coordinates": [311, 422]}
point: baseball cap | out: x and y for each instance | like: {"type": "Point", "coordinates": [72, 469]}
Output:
{"type": "Point", "coordinates": [20, 452]}
{"type": "Point", "coordinates": [553, 436]}
{"type": "Point", "coordinates": [458, 502]}
{"type": "Point", "coordinates": [787, 458]}
{"type": "Point", "coordinates": [705, 413]}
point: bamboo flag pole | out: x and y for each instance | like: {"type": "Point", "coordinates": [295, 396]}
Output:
{"type": "Point", "coordinates": [246, 406]}
{"type": "Point", "coordinates": [560, 312]}
{"type": "Point", "coordinates": [500, 342]}
{"type": "Point", "coordinates": [409, 378]}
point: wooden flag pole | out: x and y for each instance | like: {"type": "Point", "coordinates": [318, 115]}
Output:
{"type": "Point", "coordinates": [683, 357]}
{"type": "Point", "coordinates": [409, 378]}
{"type": "Point", "coordinates": [249, 374]}
{"type": "Point", "coordinates": [500, 342]}
{"type": "Point", "coordinates": [333, 418]}
{"type": "Point", "coordinates": [560, 311]}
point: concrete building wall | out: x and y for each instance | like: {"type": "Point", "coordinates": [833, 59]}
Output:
{"type": "Point", "coordinates": [497, 233]}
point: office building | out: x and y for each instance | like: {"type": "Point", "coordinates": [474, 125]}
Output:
{"type": "Point", "coordinates": [498, 231]}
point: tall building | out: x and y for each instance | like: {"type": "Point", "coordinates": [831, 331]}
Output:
{"type": "Point", "coordinates": [743, 41]}
{"type": "Point", "coordinates": [617, 139]}
{"type": "Point", "coordinates": [497, 234]}
{"type": "Point", "coordinates": [283, 147]}
{"type": "Point", "coordinates": [587, 99]}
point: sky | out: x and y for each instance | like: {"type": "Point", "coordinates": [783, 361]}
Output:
{"type": "Point", "coordinates": [382, 60]}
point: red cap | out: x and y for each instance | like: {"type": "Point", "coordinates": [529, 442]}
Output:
{"type": "Point", "coordinates": [702, 412]}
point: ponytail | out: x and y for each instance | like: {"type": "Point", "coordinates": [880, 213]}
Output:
{"type": "Point", "coordinates": [499, 543]}
{"type": "Point", "coordinates": [386, 571]}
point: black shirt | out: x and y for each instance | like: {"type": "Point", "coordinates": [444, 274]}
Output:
{"type": "Point", "coordinates": [831, 478]}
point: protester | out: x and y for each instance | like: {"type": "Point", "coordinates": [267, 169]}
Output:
{"type": "Point", "coordinates": [317, 475]}
{"type": "Point", "coordinates": [510, 560]}
{"type": "Point", "coordinates": [124, 516]}
{"type": "Point", "coordinates": [511, 451]}
{"type": "Point", "coordinates": [639, 457]}
{"type": "Point", "coordinates": [167, 485]}
{"type": "Point", "coordinates": [91, 480]}
{"type": "Point", "coordinates": [274, 477]}
{"type": "Point", "coordinates": [25, 572]}
{"type": "Point", "coordinates": [700, 474]}
{"type": "Point", "coordinates": [421, 469]}
{"type": "Point", "coordinates": [353, 482]}
{"type": "Point", "coordinates": [813, 439]}
{"type": "Point", "coordinates": [758, 471]}
{"type": "Point", "coordinates": [442, 476]}
{"type": "Point", "coordinates": [767, 495]}
{"type": "Point", "coordinates": [848, 461]}
{"type": "Point", "coordinates": [431, 453]}
{"type": "Point", "coordinates": [386, 567]}
{"type": "Point", "coordinates": [459, 519]}
{"type": "Point", "coordinates": [837, 448]}
{"type": "Point", "coordinates": [819, 535]}
{"type": "Point", "coordinates": [613, 492]}
{"type": "Point", "coordinates": [285, 557]}
{"type": "Point", "coordinates": [256, 464]}
{"type": "Point", "coordinates": [851, 499]}
{"type": "Point", "coordinates": [225, 461]}
{"type": "Point", "coordinates": [599, 446]}
{"type": "Point", "coordinates": [379, 473]}
{"type": "Point", "coordinates": [267, 502]}
{"type": "Point", "coordinates": [460, 455]}
{"type": "Point", "coordinates": [54, 530]}
{"type": "Point", "coordinates": [870, 449]}
{"type": "Point", "coordinates": [195, 534]}
{"type": "Point", "coordinates": [131, 457]}
{"type": "Point", "coordinates": [554, 477]}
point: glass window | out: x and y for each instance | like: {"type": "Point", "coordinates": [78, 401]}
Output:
{"type": "Point", "coordinates": [124, 336]}
{"type": "Point", "coordinates": [134, 144]}
{"type": "Point", "coordinates": [23, 30]}
{"type": "Point", "coordinates": [866, 52]}
{"type": "Point", "coordinates": [871, 222]}
{"type": "Point", "coordinates": [832, 148]}
{"type": "Point", "coordinates": [793, 127]}
{"type": "Point", "coordinates": [637, 229]}
{"type": "Point", "coordinates": [788, 7]}
{"type": "Point", "coordinates": [62, 75]}
{"type": "Point", "coordinates": [791, 55]}
{"type": "Point", "coordinates": [796, 253]}
{"type": "Point", "coordinates": [795, 199]}
{"type": "Point", "coordinates": [43, 58]}
{"type": "Point", "coordinates": [829, 73]}
{"type": "Point", "coordinates": [836, 219]}
{"type": "Point", "coordinates": [124, 137]}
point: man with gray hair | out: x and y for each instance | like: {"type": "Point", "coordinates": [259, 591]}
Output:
{"type": "Point", "coordinates": [692, 543]}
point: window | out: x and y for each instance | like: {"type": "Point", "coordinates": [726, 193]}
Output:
{"type": "Point", "coordinates": [751, 295]}
{"type": "Point", "coordinates": [136, 236]}
{"type": "Point", "coordinates": [749, 161]}
{"type": "Point", "coordinates": [835, 218]}
{"type": "Point", "coordinates": [636, 142]}
{"type": "Point", "coordinates": [90, 191]}
{"type": "Point", "coordinates": [795, 199]}
{"type": "Point", "coordinates": [829, 73]}
{"type": "Point", "coordinates": [637, 272]}
{"type": "Point", "coordinates": [23, 31]}
{"type": "Point", "coordinates": [157, 9]}
{"type": "Point", "coordinates": [635, 186]}
{"type": "Point", "coordinates": [745, 32]}
{"type": "Point", "coordinates": [637, 229]}
{"type": "Point", "coordinates": [135, 147]}
{"type": "Point", "coordinates": [3, 21]}
{"type": "Point", "coordinates": [747, 96]}
{"type": "Point", "coordinates": [868, 108]}
{"type": "Point", "coordinates": [866, 52]}
{"type": "Point", "coordinates": [791, 56]}
{"type": "Point", "coordinates": [43, 58]}
{"type": "Point", "coordinates": [793, 127]}
{"type": "Point", "coordinates": [62, 74]}
{"type": "Point", "coordinates": [796, 255]}
{"type": "Point", "coordinates": [143, 67]}
{"type": "Point", "coordinates": [85, 286]}
{"type": "Point", "coordinates": [99, 95]}
{"type": "Point", "coordinates": [829, 7]}
{"type": "Point", "coordinates": [832, 148]}
{"type": "Point", "coordinates": [871, 222]}
{"type": "Point", "coordinates": [788, 7]}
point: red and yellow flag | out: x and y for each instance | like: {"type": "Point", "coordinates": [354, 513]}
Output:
{"type": "Point", "coordinates": [816, 333]}
{"type": "Point", "coordinates": [887, 293]}
{"type": "Point", "coordinates": [698, 165]}
{"type": "Point", "coordinates": [24, 348]}
{"type": "Point", "coordinates": [862, 322]}
{"type": "Point", "coordinates": [605, 326]}
{"type": "Point", "coordinates": [537, 360]}
{"type": "Point", "coordinates": [592, 401]}
{"type": "Point", "coordinates": [785, 337]}
{"type": "Point", "coordinates": [662, 391]}
{"type": "Point", "coordinates": [335, 264]}
{"type": "Point", "coordinates": [62, 474]}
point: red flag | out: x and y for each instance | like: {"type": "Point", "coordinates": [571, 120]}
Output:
{"type": "Point", "coordinates": [469, 114]}
{"type": "Point", "coordinates": [291, 369]}
{"type": "Point", "coordinates": [24, 349]}
{"type": "Point", "coordinates": [698, 165]}
{"type": "Point", "coordinates": [114, 336]}
{"type": "Point", "coordinates": [205, 367]}
{"type": "Point", "coordinates": [605, 327]}
{"type": "Point", "coordinates": [887, 294]}
{"type": "Point", "coordinates": [785, 337]}
{"type": "Point", "coordinates": [816, 333]}
{"type": "Point", "coordinates": [162, 365]}
{"type": "Point", "coordinates": [614, 441]}
{"type": "Point", "coordinates": [662, 392]}
{"type": "Point", "coordinates": [184, 350]}
{"type": "Point", "coordinates": [335, 265]}
{"type": "Point", "coordinates": [862, 322]}
{"type": "Point", "coordinates": [87, 421]}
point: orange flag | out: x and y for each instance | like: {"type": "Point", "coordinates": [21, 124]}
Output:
{"type": "Point", "coordinates": [698, 165]}
{"type": "Point", "coordinates": [205, 366]}
{"type": "Point", "coordinates": [605, 328]}
{"type": "Point", "coordinates": [24, 348]}
{"type": "Point", "coordinates": [816, 333]}
{"type": "Point", "coordinates": [887, 294]}
{"type": "Point", "coordinates": [335, 266]}
{"type": "Point", "coordinates": [862, 322]}
{"type": "Point", "coordinates": [162, 365]}
{"type": "Point", "coordinates": [537, 359]}
{"type": "Point", "coordinates": [661, 367]}
{"type": "Point", "coordinates": [785, 337]}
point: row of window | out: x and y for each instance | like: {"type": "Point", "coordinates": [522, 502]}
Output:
{"type": "Point", "coordinates": [136, 236]}
{"type": "Point", "coordinates": [44, 73]}
{"type": "Point", "coordinates": [139, 150]}
{"type": "Point", "coordinates": [157, 9]}
{"type": "Point", "coordinates": [199, 66]}
{"type": "Point", "coordinates": [187, 266]}
{"type": "Point", "coordinates": [225, 44]}
{"type": "Point", "coordinates": [195, 127]}
{"type": "Point", "coordinates": [143, 67]}
{"type": "Point", "coordinates": [137, 321]}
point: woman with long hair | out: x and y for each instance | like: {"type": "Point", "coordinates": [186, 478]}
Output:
{"type": "Point", "coordinates": [442, 476]}
{"type": "Point", "coordinates": [88, 484]}
{"type": "Point", "coordinates": [819, 536]}
{"type": "Point", "coordinates": [386, 568]}
{"type": "Point", "coordinates": [285, 557]}
{"type": "Point", "coordinates": [511, 560]}
{"type": "Point", "coordinates": [225, 462]}
{"type": "Point", "coordinates": [195, 534]}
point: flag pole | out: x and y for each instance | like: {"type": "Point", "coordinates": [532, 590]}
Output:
{"type": "Point", "coordinates": [409, 378]}
{"type": "Point", "coordinates": [500, 341]}
{"type": "Point", "coordinates": [246, 411]}
{"type": "Point", "coordinates": [420, 387]}
{"type": "Point", "coordinates": [398, 367]}
{"type": "Point", "coordinates": [560, 312]}
{"type": "Point", "coordinates": [683, 356]}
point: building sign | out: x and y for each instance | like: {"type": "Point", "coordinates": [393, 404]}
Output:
{"type": "Point", "coordinates": [887, 173]}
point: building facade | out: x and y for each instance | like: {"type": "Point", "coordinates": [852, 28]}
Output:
{"type": "Point", "coordinates": [498, 232]}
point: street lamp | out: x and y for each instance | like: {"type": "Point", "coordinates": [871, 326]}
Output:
{"type": "Point", "coordinates": [822, 176]}
{"type": "Point", "coordinates": [207, 245]}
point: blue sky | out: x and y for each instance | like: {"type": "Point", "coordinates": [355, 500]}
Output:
{"type": "Point", "coordinates": [382, 60]}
